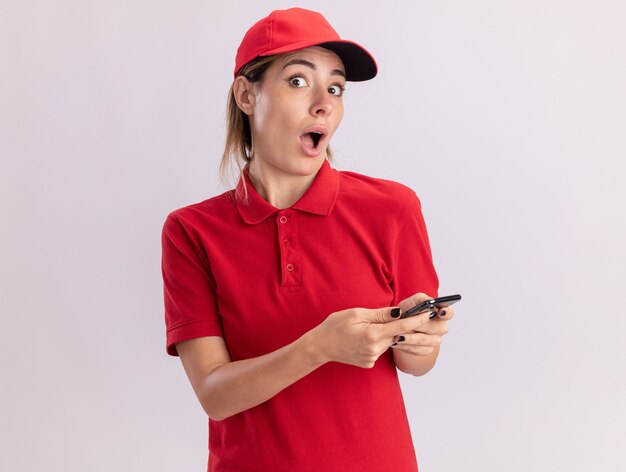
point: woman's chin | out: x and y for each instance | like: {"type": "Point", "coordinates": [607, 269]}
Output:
{"type": "Point", "coordinates": [308, 165]}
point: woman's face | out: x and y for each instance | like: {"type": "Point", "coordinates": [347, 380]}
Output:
{"type": "Point", "coordinates": [295, 111]}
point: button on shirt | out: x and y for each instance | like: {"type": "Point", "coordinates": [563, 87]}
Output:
{"type": "Point", "coordinates": [261, 277]}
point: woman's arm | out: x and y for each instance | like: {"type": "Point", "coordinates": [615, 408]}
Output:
{"type": "Point", "coordinates": [357, 336]}
{"type": "Point", "coordinates": [225, 388]}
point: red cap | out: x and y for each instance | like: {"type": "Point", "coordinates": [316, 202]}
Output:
{"type": "Point", "coordinates": [296, 28]}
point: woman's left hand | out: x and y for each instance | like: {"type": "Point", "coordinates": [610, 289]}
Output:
{"type": "Point", "coordinates": [425, 341]}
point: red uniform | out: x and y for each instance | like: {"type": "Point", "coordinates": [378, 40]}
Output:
{"type": "Point", "coordinates": [261, 277]}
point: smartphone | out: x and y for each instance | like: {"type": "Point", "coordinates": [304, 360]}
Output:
{"type": "Point", "coordinates": [439, 302]}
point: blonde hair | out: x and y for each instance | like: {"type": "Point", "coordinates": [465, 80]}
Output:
{"type": "Point", "coordinates": [238, 146]}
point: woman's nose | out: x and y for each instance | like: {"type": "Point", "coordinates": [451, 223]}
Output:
{"type": "Point", "coordinates": [322, 103]}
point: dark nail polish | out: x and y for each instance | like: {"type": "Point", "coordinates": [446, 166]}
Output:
{"type": "Point", "coordinates": [401, 339]}
{"type": "Point", "coordinates": [443, 313]}
{"type": "Point", "coordinates": [395, 312]}
{"type": "Point", "coordinates": [432, 315]}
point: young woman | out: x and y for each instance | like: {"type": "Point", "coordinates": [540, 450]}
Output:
{"type": "Point", "coordinates": [265, 284]}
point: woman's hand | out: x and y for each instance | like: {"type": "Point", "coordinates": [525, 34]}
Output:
{"type": "Point", "coordinates": [424, 340]}
{"type": "Point", "coordinates": [416, 351]}
{"type": "Point", "coordinates": [358, 336]}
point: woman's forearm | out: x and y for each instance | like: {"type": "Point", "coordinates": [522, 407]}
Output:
{"type": "Point", "coordinates": [239, 385]}
{"type": "Point", "coordinates": [356, 336]}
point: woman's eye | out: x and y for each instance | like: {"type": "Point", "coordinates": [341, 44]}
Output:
{"type": "Point", "coordinates": [336, 90]}
{"type": "Point", "coordinates": [298, 82]}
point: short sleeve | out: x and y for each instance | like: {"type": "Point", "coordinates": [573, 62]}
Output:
{"type": "Point", "coordinates": [189, 288]}
{"type": "Point", "coordinates": [413, 268]}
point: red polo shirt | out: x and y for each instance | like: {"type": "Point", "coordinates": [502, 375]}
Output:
{"type": "Point", "coordinates": [261, 277]}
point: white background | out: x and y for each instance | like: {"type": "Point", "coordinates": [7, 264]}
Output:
{"type": "Point", "coordinates": [507, 118]}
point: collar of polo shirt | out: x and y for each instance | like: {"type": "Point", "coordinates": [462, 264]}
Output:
{"type": "Point", "coordinates": [319, 199]}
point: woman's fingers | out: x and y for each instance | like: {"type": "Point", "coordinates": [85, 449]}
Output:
{"type": "Point", "coordinates": [419, 339]}
{"type": "Point", "coordinates": [436, 326]}
{"type": "Point", "coordinates": [420, 344]}
{"type": "Point", "coordinates": [446, 313]}
{"type": "Point", "coordinates": [405, 325]}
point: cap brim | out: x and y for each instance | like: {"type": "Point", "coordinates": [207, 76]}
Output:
{"type": "Point", "coordinates": [359, 63]}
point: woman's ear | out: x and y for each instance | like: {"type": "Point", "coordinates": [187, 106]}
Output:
{"type": "Point", "coordinates": [244, 95]}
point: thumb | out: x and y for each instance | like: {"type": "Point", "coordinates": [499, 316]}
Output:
{"type": "Point", "coordinates": [383, 315]}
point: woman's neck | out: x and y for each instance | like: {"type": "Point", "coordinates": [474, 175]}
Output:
{"type": "Point", "coordinates": [279, 189]}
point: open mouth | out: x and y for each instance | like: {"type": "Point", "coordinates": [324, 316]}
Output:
{"type": "Point", "coordinates": [313, 138]}
{"type": "Point", "coordinates": [316, 138]}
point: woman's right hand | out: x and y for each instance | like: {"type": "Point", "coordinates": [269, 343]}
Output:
{"type": "Point", "coordinates": [358, 336]}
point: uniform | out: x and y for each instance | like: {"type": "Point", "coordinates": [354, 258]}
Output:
{"type": "Point", "coordinates": [261, 277]}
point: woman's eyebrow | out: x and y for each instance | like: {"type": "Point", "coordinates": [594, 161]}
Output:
{"type": "Point", "coordinates": [310, 65]}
